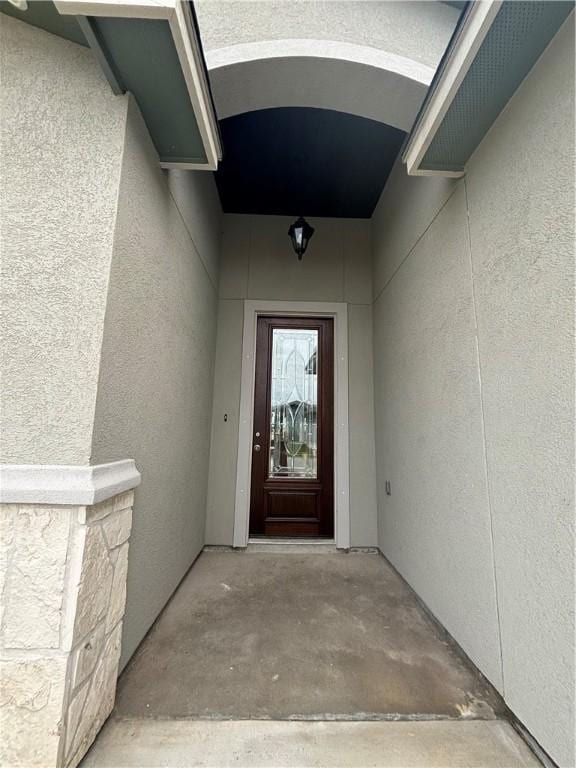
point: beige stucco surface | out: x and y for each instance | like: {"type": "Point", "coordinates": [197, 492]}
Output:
{"type": "Point", "coordinates": [320, 75]}
{"type": "Point", "coordinates": [404, 212]}
{"type": "Point", "coordinates": [155, 387]}
{"type": "Point", "coordinates": [416, 30]}
{"type": "Point", "coordinates": [474, 394]}
{"type": "Point", "coordinates": [258, 263]}
{"type": "Point", "coordinates": [225, 423]}
{"type": "Point", "coordinates": [109, 280]}
{"type": "Point", "coordinates": [326, 55]}
{"type": "Point", "coordinates": [197, 200]}
{"type": "Point", "coordinates": [521, 204]}
{"type": "Point", "coordinates": [61, 152]}
{"type": "Point", "coordinates": [110, 272]}
{"type": "Point", "coordinates": [363, 523]}
{"type": "Point", "coordinates": [436, 521]}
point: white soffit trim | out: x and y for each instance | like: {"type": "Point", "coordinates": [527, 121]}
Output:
{"type": "Point", "coordinates": [66, 484]}
{"type": "Point", "coordinates": [186, 167]}
{"type": "Point", "coordinates": [319, 49]}
{"type": "Point", "coordinates": [322, 74]}
{"type": "Point", "coordinates": [189, 54]}
{"type": "Point", "coordinates": [474, 29]}
{"type": "Point", "coordinates": [132, 9]}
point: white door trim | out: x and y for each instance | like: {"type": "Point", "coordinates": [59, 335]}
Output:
{"type": "Point", "coordinates": [338, 311]}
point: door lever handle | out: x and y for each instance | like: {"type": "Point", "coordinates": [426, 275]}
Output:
{"type": "Point", "coordinates": [256, 447]}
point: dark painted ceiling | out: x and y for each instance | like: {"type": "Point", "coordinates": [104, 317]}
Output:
{"type": "Point", "coordinates": [299, 161]}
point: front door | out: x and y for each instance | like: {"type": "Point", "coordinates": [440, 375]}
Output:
{"type": "Point", "coordinates": [292, 491]}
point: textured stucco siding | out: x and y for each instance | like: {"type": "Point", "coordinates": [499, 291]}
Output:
{"type": "Point", "coordinates": [474, 396]}
{"type": "Point", "coordinates": [155, 389]}
{"type": "Point", "coordinates": [520, 186]}
{"type": "Point", "coordinates": [324, 55]}
{"type": "Point", "coordinates": [197, 200]}
{"type": "Point", "coordinates": [258, 263]}
{"type": "Point", "coordinates": [363, 522]}
{"type": "Point", "coordinates": [435, 526]}
{"type": "Point", "coordinates": [404, 212]}
{"type": "Point", "coordinates": [416, 30]}
{"type": "Point", "coordinates": [224, 433]}
{"type": "Point", "coordinates": [61, 149]}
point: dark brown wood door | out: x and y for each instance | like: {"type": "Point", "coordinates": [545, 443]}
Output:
{"type": "Point", "coordinates": [292, 490]}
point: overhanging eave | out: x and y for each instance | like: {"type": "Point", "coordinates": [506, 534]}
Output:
{"type": "Point", "coordinates": [152, 49]}
{"type": "Point", "coordinates": [491, 51]}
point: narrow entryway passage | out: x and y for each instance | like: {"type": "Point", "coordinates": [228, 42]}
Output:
{"type": "Point", "coordinates": [303, 635]}
{"type": "Point", "coordinates": [254, 636]}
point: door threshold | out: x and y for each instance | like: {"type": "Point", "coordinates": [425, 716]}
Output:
{"type": "Point", "coordinates": [290, 540]}
{"type": "Point", "coordinates": [299, 545]}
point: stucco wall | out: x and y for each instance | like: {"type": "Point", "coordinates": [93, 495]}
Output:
{"type": "Point", "coordinates": [156, 373]}
{"type": "Point", "coordinates": [61, 149]}
{"type": "Point", "coordinates": [521, 205]}
{"type": "Point", "coordinates": [416, 30]}
{"type": "Point", "coordinates": [258, 263]}
{"type": "Point", "coordinates": [474, 396]}
{"type": "Point", "coordinates": [109, 280]}
{"type": "Point", "coordinates": [327, 55]}
{"type": "Point", "coordinates": [429, 436]}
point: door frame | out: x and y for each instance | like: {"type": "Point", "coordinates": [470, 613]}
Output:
{"type": "Point", "coordinates": [339, 312]}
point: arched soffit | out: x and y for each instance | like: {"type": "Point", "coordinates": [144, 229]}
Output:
{"type": "Point", "coordinates": [326, 74]}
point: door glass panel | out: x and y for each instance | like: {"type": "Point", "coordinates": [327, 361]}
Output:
{"type": "Point", "coordinates": [294, 403]}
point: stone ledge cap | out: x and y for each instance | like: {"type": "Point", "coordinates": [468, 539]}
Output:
{"type": "Point", "coordinates": [66, 484]}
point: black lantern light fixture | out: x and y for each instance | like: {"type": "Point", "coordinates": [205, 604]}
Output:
{"type": "Point", "coordinates": [300, 233]}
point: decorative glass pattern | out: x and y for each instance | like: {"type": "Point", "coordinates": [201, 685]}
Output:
{"type": "Point", "coordinates": [294, 403]}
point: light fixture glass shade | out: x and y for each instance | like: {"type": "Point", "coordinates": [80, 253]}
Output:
{"type": "Point", "coordinates": [300, 233]}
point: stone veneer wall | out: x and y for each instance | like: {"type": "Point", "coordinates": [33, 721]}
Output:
{"type": "Point", "coordinates": [62, 598]}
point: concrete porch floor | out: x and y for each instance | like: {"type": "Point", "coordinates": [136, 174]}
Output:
{"type": "Point", "coordinates": [260, 636]}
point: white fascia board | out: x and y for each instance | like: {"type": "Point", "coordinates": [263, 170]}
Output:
{"type": "Point", "coordinates": [189, 54]}
{"type": "Point", "coordinates": [474, 29]}
{"type": "Point", "coordinates": [124, 9]}
{"type": "Point", "coordinates": [172, 166]}
{"type": "Point", "coordinates": [443, 174]}
{"type": "Point", "coordinates": [66, 484]}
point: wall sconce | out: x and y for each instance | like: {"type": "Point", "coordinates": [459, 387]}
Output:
{"type": "Point", "coordinates": [300, 233]}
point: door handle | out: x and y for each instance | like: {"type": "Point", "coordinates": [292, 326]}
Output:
{"type": "Point", "coordinates": [256, 447]}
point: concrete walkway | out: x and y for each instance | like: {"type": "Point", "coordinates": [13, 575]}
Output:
{"type": "Point", "coordinates": [249, 744]}
{"type": "Point", "coordinates": [302, 660]}
{"type": "Point", "coordinates": [256, 635]}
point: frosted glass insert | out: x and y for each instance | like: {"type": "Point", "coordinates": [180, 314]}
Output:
{"type": "Point", "coordinates": [294, 403]}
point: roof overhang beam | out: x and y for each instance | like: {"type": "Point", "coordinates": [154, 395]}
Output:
{"type": "Point", "coordinates": [188, 47]}
{"type": "Point", "coordinates": [462, 49]}
{"type": "Point", "coordinates": [494, 46]}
